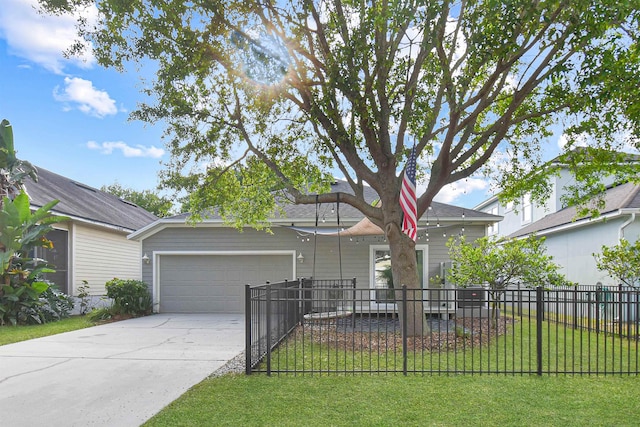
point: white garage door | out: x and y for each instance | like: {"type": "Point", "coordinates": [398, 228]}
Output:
{"type": "Point", "coordinates": [215, 283]}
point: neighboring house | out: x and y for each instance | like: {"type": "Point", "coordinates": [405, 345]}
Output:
{"type": "Point", "coordinates": [92, 245]}
{"type": "Point", "coordinates": [204, 267]}
{"type": "Point", "coordinates": [570, 240]}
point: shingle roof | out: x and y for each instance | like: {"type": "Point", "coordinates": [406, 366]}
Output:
{"type": "Point", "coordinates": [625, 196]}
{"type": "Point", "coordinates": [86, 203]}
{"type": "Point", "coordinates": [348, 212]}
{"type": "Point", "coordinates": [581, 154]}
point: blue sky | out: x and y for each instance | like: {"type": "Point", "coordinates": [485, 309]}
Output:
{"type": "Point", "coordinates": [70, 116]}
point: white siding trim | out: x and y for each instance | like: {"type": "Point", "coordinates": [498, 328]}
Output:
{"type": "Point", "coordinates": [156, 255]}
{"type": "Point", "coordinates": [71, 287]}
{"type": "Point", "coordinates": [372, 273]}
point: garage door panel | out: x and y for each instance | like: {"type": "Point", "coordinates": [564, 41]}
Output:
{"type": "Point", "coordinates": [215, 283]}
{"type": "Point", "coordinates": [196, 291]}
{"type": "Point", "coordinates": [194, 305]}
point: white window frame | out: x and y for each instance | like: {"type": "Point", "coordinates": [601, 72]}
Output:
{"type": "Point", "coordinates": [372, 273]}
{"type": "Point", "coordinates": [508, 207]}
{"type": "Point", "coordinates": [527, 210]}
{"type": "Point", "coordinates": [493, 229]}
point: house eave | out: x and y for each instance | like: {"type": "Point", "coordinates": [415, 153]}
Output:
{"type": "Point", "coordinates": [89, 221]}
{"type": "Point", "coordinates": [486, 202]}
{"type": "Point", "coordinates": [581, 223]}
{"type": "Point", "coordinates": [163, 223]}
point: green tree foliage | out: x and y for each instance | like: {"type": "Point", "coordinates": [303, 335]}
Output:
{"type": "Point", "coordinates": [151, 201]}
{"type": "Point", "coordinates": [259, 95]}
{"type": "Point", "coordinates": [500, 263]}
{"type": "Point", "coordinates": [621, 262]}
{"type": "Point", "coordinates": [13, 171]}
{"type": "Point", "coordinates": [22, 230]}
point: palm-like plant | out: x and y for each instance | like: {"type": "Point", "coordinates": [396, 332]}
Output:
{"type": "Point", "coordinates": [13, 171]}
{"type": "Point", "coordinates": [22, 230]}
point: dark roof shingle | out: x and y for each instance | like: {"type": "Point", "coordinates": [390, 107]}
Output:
{"type": "Point", "coordinates": [625, 196]}
{"type": "Point", "coordinates": [349, 213]}
{"type": "Point", "coordinates": [84, 202]}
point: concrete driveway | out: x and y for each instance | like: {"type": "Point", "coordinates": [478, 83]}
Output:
{"type": "Point", "coordinates": [118, 374]}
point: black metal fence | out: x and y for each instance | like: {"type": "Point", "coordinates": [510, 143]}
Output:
{"type": "Point", "coordinates": [273, 311]}
{"type": "Point", "coordinates": [326, 327]}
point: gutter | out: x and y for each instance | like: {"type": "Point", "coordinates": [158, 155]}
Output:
{"type": "Point", "coordinates": [574, 224]}
{"type": "Point", "coordinates": [631, 219]}
{"type": "Point", "coordinates": [88, 221]}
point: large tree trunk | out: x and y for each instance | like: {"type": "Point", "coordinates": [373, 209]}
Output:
{"type": "Point", "coordinates": [405, 272]}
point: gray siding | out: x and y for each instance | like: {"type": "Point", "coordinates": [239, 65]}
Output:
{"type": "Point", "coordinates": [353, 253]}
{"type": "Point", "coordinates": [574, 249]}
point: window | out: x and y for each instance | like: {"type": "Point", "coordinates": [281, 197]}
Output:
{"type": "Point", "coordinates": [527, 209]}
{"type": "Point", "coordinates": [508, 207]}
{"type": "Point", "coordinates": [493, 228]}
{"type": "Point", "coordinates": [381, 278]}
{"type": "Point", "coordinates": [58, 257]}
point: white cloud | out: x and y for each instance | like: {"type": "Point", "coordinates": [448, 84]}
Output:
{"type": "Point", "coordinates": [127, 150]}
{"type": "Point", "coordinates": [459, 42]}
{"type": "Point", "coordinates": [452, 192]}
{"type": "Point", "coordinates": [579, 141]}
{"type": "Point", "coordinates": [42, 39]}
{"type": "Point", "coordinates": [85, 97]}
{"type": "Point", "coordinates": [625, 140]}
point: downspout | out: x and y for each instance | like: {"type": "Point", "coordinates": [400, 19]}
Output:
{"type": "Point", "coordinates": [631, 219]}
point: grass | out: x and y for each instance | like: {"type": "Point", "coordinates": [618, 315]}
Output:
{"type": "Point", "coordinates": [258, 400]}
{"type": "Point", "coordinates": [563, 350]}
{"type": "Point", "coordinates": [382, 400]}
{"type": "Point", "coordinates": [11, 334]}
{"type": "Point", "coordinates": [449, 399]}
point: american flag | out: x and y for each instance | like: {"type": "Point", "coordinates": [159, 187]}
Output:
{"type": "Point", "coordinates": [408, 201]}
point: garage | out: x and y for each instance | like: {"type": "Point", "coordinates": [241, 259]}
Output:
{"type": "Point", "coordinates": [214, 283]}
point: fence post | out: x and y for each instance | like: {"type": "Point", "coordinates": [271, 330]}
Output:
{"type": "Point", "coordinates": [539, 320]}
{"type": "Point", "coordinates": [247, 328]}
{"type": "Point", "coordinates": [300, 297]}
{"type": "Point", "coordinates": [404, 329]}
{"type": "Point", "coordinates": [519, 300]}
{"type": "Point", "coordinates": [620, 310]}
{"type": "Point", "coordinates": [307, 303]}
{"type": "Point", "coordinates": [268, 298]}
{"type": "Point", "coordinates": [598, 305]}
{"type": "Point", "coordinates": [353, 315]}
{"type": "Point", "coordinates": [575, 308]}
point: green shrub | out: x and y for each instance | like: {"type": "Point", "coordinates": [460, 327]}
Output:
{"type": "Point", "coordinates": [19, 303]}
{"type": "Point", "coordinates": [85, 298]}
{"type": "Point", "coordinates": [56, 305]}
{"type": "Point", "coordinates": [99, 314]}
{"type": "Point", "coordinates": [129, 297]}
{"type": "Point", "coordinates": [49, 305]}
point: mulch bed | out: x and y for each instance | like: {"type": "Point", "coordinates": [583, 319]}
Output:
{"type": "Point", "coordinates": [460, 333]}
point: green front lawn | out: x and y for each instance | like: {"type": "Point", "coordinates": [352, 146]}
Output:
{"type": "Point", "coordinates": [386, 400]}
{"type": "Point", "coordinates": [563, 350]}
{"type": "Point", "coordinates": [11, 334]}
{"type": "Point", "coordinates": [362, 399]}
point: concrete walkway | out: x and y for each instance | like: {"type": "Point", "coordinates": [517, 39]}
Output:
{"type": "Point", "coordinates": [118, 374]}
